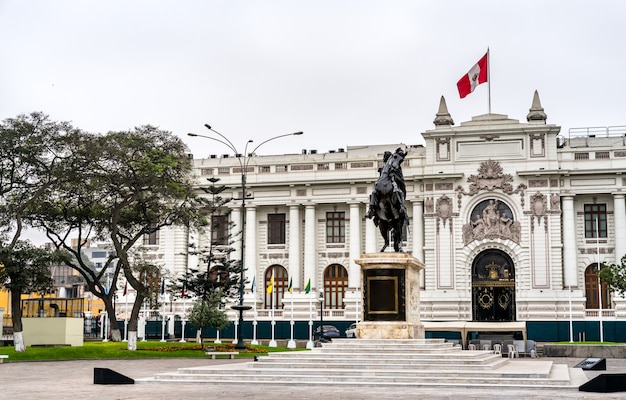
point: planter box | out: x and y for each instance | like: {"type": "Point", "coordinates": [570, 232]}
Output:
{"type": "Point", "coordinates": [584, 350]}
{"type": "Point", "coordinates": [53, 331]}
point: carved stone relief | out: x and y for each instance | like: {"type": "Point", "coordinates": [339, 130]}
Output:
{"type": "Point", "coordinates": [555, 202]}
{"type": "Point", "coordinates": [444, 208]}
{"type": "Point", "coordinates": [490, 177]}
{"type": "Point", "coordinates": [491, 219]}
{"type": "Point", "coordinates": [428, 205]}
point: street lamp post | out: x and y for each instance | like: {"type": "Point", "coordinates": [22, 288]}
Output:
{"type": "Point", "coordinates": [244, 161]}
{"type": "Point", "coordinates": [322, 339]}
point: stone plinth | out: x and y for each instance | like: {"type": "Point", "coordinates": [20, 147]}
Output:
{"type": "Point", "coordinates": [391, 297]}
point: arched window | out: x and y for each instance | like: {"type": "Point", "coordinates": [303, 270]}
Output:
{"type": "Point", "coordinates": [591, 289]}
{"type": "Point", "coordinates": [335, 285]}
{"type": "Point", "coordinates": [279, 286]}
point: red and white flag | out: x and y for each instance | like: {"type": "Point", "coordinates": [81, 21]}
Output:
{"type": "Point", "coordinates": [476, 75]}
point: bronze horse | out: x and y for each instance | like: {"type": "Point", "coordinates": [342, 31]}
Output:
{"type": "Point", "coordinates": [387, 208]}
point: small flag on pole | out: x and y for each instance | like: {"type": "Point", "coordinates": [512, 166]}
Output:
{"type": "Point", "coordinates": [307, 288]}
{"type": "Point", "coordinates": [270, 287]}
{"type": "Point", "coordinates": [125, 288]}
{"type": "Point", "coordinates": [253, 285]}
{"type": "Point", "coordinates": [182, 293]}
{"type": "Point", "coordinates": [163, 286]}
{"type": "Point", "coordinates": [290, 288]}
{"type": "Point", "coordinates": [106, 288]}
{"type": "Point", "coordinates": [474, 77]}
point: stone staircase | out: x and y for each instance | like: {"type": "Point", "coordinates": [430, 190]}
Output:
{"type": "Point", "coordinates": [412, 362]}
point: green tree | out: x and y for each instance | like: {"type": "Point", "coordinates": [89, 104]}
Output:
{"type": "Point", "coordinates": [33, 159]}
{"type": "Point", "coordinates": [207, 312]}
{"type": "Point", "coordinates": [217, 270]}
{"type": "Point", "coordinates": [24, 269]}
{"type": "Point", "coordinates": [135, 183]}
{"type": "Point", "coordinates": [615, 276]}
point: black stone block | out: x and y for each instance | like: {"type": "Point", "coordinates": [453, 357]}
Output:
{"type": "Point", "coordinates": [605, 383]}
{"type": "Point", "coordinates": [106, 376]}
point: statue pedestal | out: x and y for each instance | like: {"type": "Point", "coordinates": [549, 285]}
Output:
{"type": "Point", "coordinates": [391, 297]}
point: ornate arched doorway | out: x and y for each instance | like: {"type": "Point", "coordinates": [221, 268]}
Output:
{"type": "Point", "coordinates": [493, 287]}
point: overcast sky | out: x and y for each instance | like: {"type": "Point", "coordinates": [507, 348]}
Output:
{"type": "Point", "coordinates": [351, 72]}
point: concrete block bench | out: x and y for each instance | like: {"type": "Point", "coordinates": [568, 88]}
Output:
{"type": "Point", "coordinates": [231, 354]}
{"type": "Point", "coordinates": [2, 357]}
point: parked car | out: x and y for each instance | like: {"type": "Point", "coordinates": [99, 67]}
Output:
{"type": "Point", "coordinates": [351, 331]}
{"type": "Point", "coordinates": [329, 332]}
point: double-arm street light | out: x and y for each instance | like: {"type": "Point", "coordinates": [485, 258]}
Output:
{"type": "Point", "coordinates": [244, 160]}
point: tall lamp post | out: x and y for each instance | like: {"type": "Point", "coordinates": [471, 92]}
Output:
{"type": "Point", "coordinates": [322, 339]}
{"type": "Point", "coordinates": [244, 160]}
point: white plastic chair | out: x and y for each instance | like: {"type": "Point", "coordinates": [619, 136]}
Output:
{"type": "Point", "coordinates": [486, 347]}
{"type": "Point", "coordinates": [497, 349]}
{"type": "Point", "coordinates": [471, 346]}
{"type": "Point", "coordinates": [512, 351]}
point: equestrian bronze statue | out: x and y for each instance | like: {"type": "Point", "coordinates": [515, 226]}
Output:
{"type": "Point", "coordinates": [386, 207]}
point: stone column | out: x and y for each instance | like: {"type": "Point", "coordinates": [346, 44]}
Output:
{"type": "Point", "coordinates": [310, 246]}
{"type": "Point", "coordinates": [570, 262]}
{"type": "Point", "coordinates": [251, 242]}
{"type": "Point", "coordinates": [354, 274]}
{"type": "Point", "coordinates": [620, 226]}
{"type": "Point", "coordinates": [371, 235]}
{"type": "Point", "coordinates": [294, 245]}
{"type": "Point", "coordinates": [418, 236]}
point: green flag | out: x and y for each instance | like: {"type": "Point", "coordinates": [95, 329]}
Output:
{"type": "Point", "coordinates": [307, 288]}
{"type": "Point", "coordinates": [290, 288]}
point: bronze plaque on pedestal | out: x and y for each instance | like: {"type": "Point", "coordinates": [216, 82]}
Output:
{"type": "Point", "coordinates": [385, 298]}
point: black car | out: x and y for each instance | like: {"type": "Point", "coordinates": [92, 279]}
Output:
{"type": "Point", "coordinates": [329, 332]}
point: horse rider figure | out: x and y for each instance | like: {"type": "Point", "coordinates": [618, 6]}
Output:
{"type": "Point", "coordinates": [392, 170]}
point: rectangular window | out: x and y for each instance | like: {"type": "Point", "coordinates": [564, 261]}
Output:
{"type": "Point", "coordinates": [335, 227]}
{"type": "Point", "coordinates": [151, 239]}
{"type": "Point", "coordinates": [595, 221]}
{"type": "Point", "coordinates": [276, 228]}
{"type": "Point", "coordinates": [219, 230]}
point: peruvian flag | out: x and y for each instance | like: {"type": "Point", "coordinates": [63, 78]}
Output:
{"type": "Point", "coordinates": [476, 75]}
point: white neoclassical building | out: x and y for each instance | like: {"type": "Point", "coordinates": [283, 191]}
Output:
{"type": "Point", "coordinates": [510, 218]}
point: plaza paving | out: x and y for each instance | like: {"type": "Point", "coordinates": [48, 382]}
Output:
{"type": "Point", "coordinates": [69, 379]}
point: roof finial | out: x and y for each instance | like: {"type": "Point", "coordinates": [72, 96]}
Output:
{"type": "Point", "coordinates": [443, 116]}
{"type": "Point", "coordinates": [536, 113]}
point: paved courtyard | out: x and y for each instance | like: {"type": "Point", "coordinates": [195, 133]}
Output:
{"type": "Point", "coordinates": [74, 379]}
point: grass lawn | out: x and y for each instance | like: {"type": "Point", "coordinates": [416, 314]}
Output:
{"type": "Point", "coordinates": [117, 350]}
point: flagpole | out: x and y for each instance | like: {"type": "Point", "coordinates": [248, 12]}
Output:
{"type": "Point", "coordinates": [599, 283]}
{"type": "Point", "coordinates": [292, 343]}
{"type": "Point", "coordinates": [254, 321]}
{"type": "Point", "coordinates": [105, 335]}
{"type": "Point", "coordinates": [489, 78]}
{"type": "Point", "coordinates": [309, 343]}
{"type": "Point", "coordinates": [184, 314]}
{"type": "Point", "coordinates": [126, 313]}
{"type": "Point", "coordinates": [163, 317]}
{"type": "Point", "coordinates": [273, 341]}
